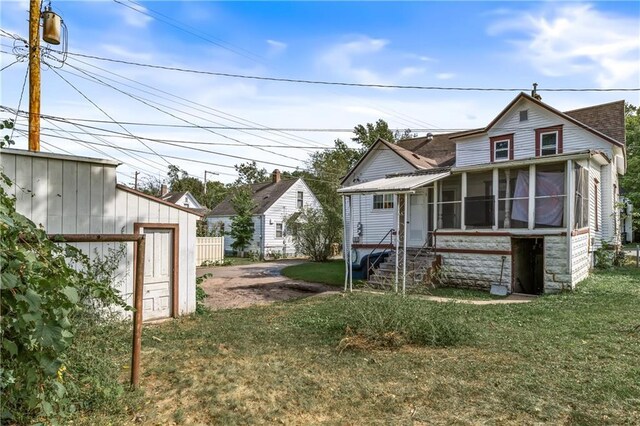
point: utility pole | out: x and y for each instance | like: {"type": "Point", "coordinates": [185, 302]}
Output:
{"type": "Point", "coordinates": [135, 183]}
{"type": "Point", "coordinates": [34, 75]}
{"type": "Point", "coordinates": [205, 179]}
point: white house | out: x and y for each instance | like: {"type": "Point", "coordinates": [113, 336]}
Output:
{"type": "Point", "coordinates": [77, 195]}
{"type": "Point", "coordinates": [275, 201]}
{"type": "Point", "coordinates": [183, 199]}
{"type": "Point", "coordinates": [520, 204]}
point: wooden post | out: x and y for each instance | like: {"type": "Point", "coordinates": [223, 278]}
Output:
{"type": "Point", "coordinates": [34, 75]}
{"type": "Point", "coordinates": [137, 315]}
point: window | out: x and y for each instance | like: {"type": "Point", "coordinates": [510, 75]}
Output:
{"type": "Point", "coordinates": [581, 200]}
{"type": "Point", "coordinates": [550, 196]}
{"type": "Point", "coordinates": [300, 199]}
{"type": "Point", "coordinates": [524, 115]}
{"type": "Point", "coordinates": [513, 198]}
{"type": "Point", "coordinates": [549, 141]}
{"type": "Point", "coordinates": [479, 202]}
{"type": "Point", "coordinates": [383, 201]}
{"type": "Point", "coordinates": [501, 148]}
{"type": "Point", "coordinates": [278, 230]}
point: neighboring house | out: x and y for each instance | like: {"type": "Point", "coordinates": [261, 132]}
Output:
{"type": "Point", "coordinates": [521, 204]}
{"type": "Point", "coordinates": [78, 195]}
{"type": "Point", "coordinates": [275, 201]}
{"type": "Point", "coordinates": [184, 199]}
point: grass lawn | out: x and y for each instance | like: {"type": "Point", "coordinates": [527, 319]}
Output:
{"type": "Point", "coordinates": [331, 272]}
{"type": "Point", "coordinates": [570, 358]}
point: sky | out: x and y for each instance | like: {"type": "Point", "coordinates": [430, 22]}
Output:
{"type": "Point", "coordinates": [444, 44]}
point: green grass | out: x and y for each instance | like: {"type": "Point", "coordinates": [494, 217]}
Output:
{"type": "Point", "coordinates": [460, 293]}
{"type": "Point", "coordinates": [570, 358]}
{"type": "Point", "coordinates": [331, 272]}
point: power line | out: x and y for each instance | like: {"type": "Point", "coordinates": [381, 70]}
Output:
{"type": "Point", "coordinates": [24, 83]}
{"type": "Point", "coordinates": [348, 84]}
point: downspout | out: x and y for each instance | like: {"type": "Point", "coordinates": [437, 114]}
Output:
{"type": "Point", "coordinates": [263, 222]}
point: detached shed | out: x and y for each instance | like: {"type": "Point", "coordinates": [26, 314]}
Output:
{"type": "Point", "coordinates": [78, 195]}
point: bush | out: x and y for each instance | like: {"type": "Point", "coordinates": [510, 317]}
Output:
{"type": "Point", "coordinates": [43, 301]}
{"type": "Point", "coordinates": [201, 294]}
{"type": "Point", "coordinates": [391, 321]}
{"type": "Point", "coordinates": [314, 233]}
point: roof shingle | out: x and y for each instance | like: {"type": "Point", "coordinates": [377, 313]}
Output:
{"type": "Point", "coordinates": [264, 195]}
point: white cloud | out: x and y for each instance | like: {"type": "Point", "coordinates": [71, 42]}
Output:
{"type": "Point", "coordinates": [341, 58]}
{"type": "Point", "coordinates": [135, 18]}
{"type": "Point", "coordinates": [276, 47]}
{"type": "Point", "coordinates": [445, 76]}
{"type": "Point", "coordinates": [574, 39]}
{"type": "Point", "coordinates": [411, 71]}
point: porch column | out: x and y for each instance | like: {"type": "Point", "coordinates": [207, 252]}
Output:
{"type": "Point", "coordinates": [463, 195]}
{"type": "Point", "coordinates": [496, 194]}
{"type": "Point", "coordinates": [435, 205]}
{"type": "Point", "coordinates": [438, 213]}
{"type": "Point", "coordinates": [570, 190]}
{"type": "Point", "coordinates": [350, 242]}
{"type": "Point", "coordinates": [345, 253]}
{"type": "Point", "coordinates": [404, 246]}
{"type": "Point", "coordinates": [397, 229]}
{"type": "Point", "coordinates": [532, 196]}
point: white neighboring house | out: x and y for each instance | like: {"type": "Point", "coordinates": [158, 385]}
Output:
{"type": "Point", "coordinates": [520, 204]}
{"type": "Point", "coordinates": [275, 202]}
{"type": "Point", "coordinates": [183, 199]}
{"type": "Point", "coordinates": [78, 195]}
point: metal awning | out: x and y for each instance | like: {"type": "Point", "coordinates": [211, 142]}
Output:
{"type": "Point", "coordinates": [395, 184]}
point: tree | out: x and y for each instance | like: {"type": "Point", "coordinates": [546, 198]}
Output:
{"type": "Point", "coordinates": [242, 222]}
{"type": "Point", "coordinates": [249, 173]}
{"type": "Point", "coordinates": [151, 185]}
{"type": "Point", "coordinates": [313, 233]}
{"type": "Point", "coordinates": [368, 134]}
{"type": "Point", "coordinates": [630, 182]}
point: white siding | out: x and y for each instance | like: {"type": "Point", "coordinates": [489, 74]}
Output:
{"type": "Point", "coordinates": [595, 217]}
{"type": "Point", "coordinates": [79, 197]}
{"type": "Point", "coordinates": [580, 261]}
{"type": "Point", "coordinates": [476, 150]}
{"type": "Point", "coordinates": [375, 223]}
{"type": "Point", "coordinates": [255, 244]}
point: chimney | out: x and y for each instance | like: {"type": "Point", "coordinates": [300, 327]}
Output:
{"type": "Point", "coordinates": [164, 190]}
{"type": "Point", "coordinates": [275, 176]}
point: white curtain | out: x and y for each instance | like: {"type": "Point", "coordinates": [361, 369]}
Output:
{"type": "Point", "coordinates": [520, 208]}
{"type": "Point", "coordinates": [549, 211]}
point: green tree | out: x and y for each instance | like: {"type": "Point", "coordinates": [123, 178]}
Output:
{"type": "Point", "coordinates": [630, 182]}
{"type": "Point", "coordinates": [313, 233]}
{"type": "Point", "coordinates": [242, 222]}
{"type": "Point", "coordinates": [150, 185]}
{"type": "Point", "coordinates": [249, 173]}
{"type": "Point", "coordinates": [366, 135]}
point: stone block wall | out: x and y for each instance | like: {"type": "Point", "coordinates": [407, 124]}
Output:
{"type": "Point", "coordinates": [557, 275]}
{"type": "Point", "coordinates": [477, 269]}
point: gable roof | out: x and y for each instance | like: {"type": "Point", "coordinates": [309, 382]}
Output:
{"type": "Point", "coordinates": [173, 197]}
{"type": "Point", "coordinates": [595, 114]}
{"type": "Point", "coordinates": [157, 200]}
{"type": "Point", "coordinates": [413, 158]}
{"type": "Point", "coordinates": [606, 118]}
{"type": "Point", "coordinates": [264, 195]}
{"type": "Point", "coordinates": [441, 149]}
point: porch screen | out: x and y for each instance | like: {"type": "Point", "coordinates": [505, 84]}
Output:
{"type": "Point", "coordinates": [581, 200]}
{"type": "Point", "coordinates": [479, 211]}
{"type": "Point", "coordinates": [549, 201]}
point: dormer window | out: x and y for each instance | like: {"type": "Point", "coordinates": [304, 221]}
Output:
{"type": "Point", "coordinates": [549, 141]}
{"type": "Point", "coordinates": [501, 147]}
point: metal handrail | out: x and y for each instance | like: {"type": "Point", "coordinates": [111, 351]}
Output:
{"type": "Point", "coordinates": [369, 265]}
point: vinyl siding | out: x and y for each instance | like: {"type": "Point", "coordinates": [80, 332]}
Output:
{"type": "Point", "coordinates": [77, 197]}
{"type": "Point", "coordinates": [376, 222]}
{"type": "Point", "coordinates": [476, 150]}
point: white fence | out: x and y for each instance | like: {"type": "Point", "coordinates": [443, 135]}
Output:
{"type": "Point", "coordinates": [209, 249]}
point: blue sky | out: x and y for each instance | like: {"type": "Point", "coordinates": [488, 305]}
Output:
{"type": "Point", "coordinates": [497, 44]}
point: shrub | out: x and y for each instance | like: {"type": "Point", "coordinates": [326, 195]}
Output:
{"type": "Point", "coordinates": [43, 301]}
{"type": "Point", "coordinates": [314, 233]}
{"type": "Point", "coordinates": [201, 294]}
{"type": "Point", "coordinates": [391, 321]}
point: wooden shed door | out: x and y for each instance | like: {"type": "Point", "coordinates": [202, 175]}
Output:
{"type": "Point", "coordinates": [156, 301]}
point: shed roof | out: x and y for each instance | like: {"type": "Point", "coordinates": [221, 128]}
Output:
{"type": "Point", "coordinates": [396, 183]}
{"type": "Point", "coordinates": [56, 156]}
{"type": "Point", "coordinates": [158, 200]}
{"type": "Point", "coordinates": [264, 195]}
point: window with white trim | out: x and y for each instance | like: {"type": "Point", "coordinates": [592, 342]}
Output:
{"type": "Point", "coordinates": [549, 143]}
{"type": "Point", "coordinates": [383, 201]}
{"type": "Point", "coordinates": [278, 230]}
{"type": "Point", "coordinates": [300, 199]}
{"type": "Point", "coordinates": [501, 150]}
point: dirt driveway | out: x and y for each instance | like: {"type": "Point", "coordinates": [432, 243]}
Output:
{"type": "Point", "coordinates": [254, 284]}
